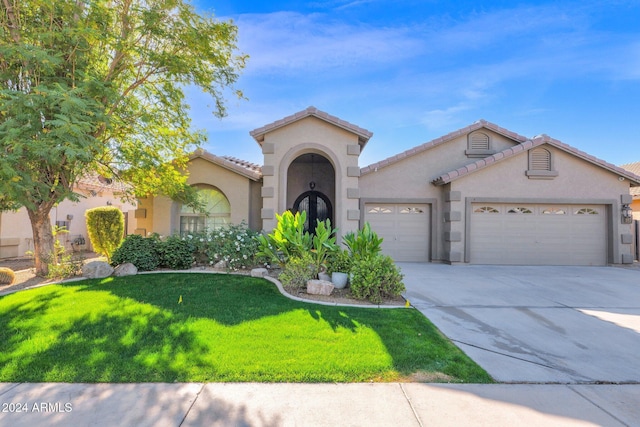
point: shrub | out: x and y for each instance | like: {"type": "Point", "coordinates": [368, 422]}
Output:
{"type": "Point", "coordinates": [298, 270]}
{"type": "Point", "coordinates": [7, 276]}
{"type": "Point", "coordinates": [288, 239]}
{"type": "Point", "coordinates": [139, 251]}
{"type": "Point", "coordinates": [60, 263]}
{"type": "Point", "coordinates": [375, 278]}
{"type": "Point", "coordinates": [105, 226]}
{"type": "Point", "coordinates": [175, 252]}
{"type": "Point", "coordinates": [339, 262]}
{"type": "Point", "coordinates": [363, 244]}
{"type": "Point", "coordinates": [324, 243]}
{"type": "Point", "coordinates": [235, 244]}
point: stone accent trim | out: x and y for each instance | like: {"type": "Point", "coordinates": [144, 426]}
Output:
{"type": "Point", "coordinates": [267, 192]}
{"type": "Point", "coordinates": [353, 214]}
{"type": "Point", "coordinates": [351, 171]}
{"type": "Point", "coordinates": [353, 150]}
{"type": "Point", "coordinates": [268, 171]}
{"type": "Point", "coordinates": [268, 148]}
{"type": "Point", "coordinates": [453, 216]}
{"type": "Point", "coordinates": [452, 236]}
{"type": "Point", "coordinates": [453, 196]}
{"type": "Point", "coordinates": [626, 239]}
{"type": "Point", "coordinates": [266, 213]}
{"type": "Point", "coordinates": [353, 193]}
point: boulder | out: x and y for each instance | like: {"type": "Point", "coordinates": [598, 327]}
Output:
{"type": "Point", "coordinates": [97, 270]}
{"type": "Point", "coordinates": [259, 272]}
{"type": "Point", "coordinates": [126, 269]}
{"type": "Point", "coordinates": [220, 264]}
{"type": "Point", "coordinates": [319, 287]}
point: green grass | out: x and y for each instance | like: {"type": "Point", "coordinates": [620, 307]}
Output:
{"type": "Point", "coordinates": [227, 328]}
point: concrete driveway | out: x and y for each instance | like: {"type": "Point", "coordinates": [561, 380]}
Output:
{"type": "Point", "coordinates": [536, 324]}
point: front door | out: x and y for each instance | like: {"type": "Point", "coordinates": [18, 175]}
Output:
{"type": "Point", "coordinates": [316, 205]}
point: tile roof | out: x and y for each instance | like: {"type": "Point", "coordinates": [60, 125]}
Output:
{"type": "Point", "coordinates": [94, 181]}
{"type": "Point", "coordinates": [244, 168]}
{"type": "Point", "coordinates": [633, 168]}
{"type": "Point", "coordinates": [363, 134]}
{"type": "Point", "coordinates": [526, 146]}
{"type": "Point", "coordinates": [441, 140]}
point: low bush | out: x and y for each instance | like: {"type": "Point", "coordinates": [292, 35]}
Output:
{"type": "Point", "coordinates": [176, 253]}
{"type": "Point", "coordinates": [235, 244]}
{"type": "Point", "coordinates": [139, 251]}
{"type": "Point", "coordinates": [298, 270]}
{"type": "Point", "coordinates": [339, 262]}
{"type": "Point", "coordinates": [7, 276]}
{"type": "Point", "coordinates": [375, 278]}
{"type": "Point", "coordinates": [363, 244]}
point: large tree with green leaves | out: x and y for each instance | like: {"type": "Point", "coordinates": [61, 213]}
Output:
{"type": "Point", "coordinates": [98, 86]}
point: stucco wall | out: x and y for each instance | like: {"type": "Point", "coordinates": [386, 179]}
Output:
{"type": "Point", "coordinates": [16, 236]}
{"type": "Point", "coordinates": [311, 135]}
{"type": "Point", "coordinates": [410, 179]}
{"type": "Point", "coordinates": [165, 214]}
{"type": "Point", "coordinates": [578, 181]}
{"type": "Point", "coordinates": [635, 205]}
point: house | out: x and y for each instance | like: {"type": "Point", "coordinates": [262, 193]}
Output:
{"type": "Point", "coordinates": [480, 195]}
{"type": "Point", "coordinates": [16, 237]}
{"type": "Point", "coordinates": [635, 191]}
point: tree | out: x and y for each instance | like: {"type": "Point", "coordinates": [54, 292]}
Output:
{"type": "Point", "coordinates": [98, 86]}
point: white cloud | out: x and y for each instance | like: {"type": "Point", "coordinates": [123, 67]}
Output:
{"type": "Point", "coordinates": [293, 42]}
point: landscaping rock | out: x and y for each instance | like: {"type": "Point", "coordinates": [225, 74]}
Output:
{"type": "Point", "coordinates": [319, 287]}
{"type": "Point", "coordinates": [126, 269]}
{"type": "Point", "coordinates": [220, 264]}
{"type": "Point", "coordinates": [259, 272]}
{"type": "Point", "coordinates": [97, 270]}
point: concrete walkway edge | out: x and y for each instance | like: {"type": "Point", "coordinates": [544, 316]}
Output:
{"type": "Point", "coordinates": [365, 404]}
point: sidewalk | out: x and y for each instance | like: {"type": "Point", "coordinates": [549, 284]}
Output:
{"type": "Point", "coordinates": [379, 404]}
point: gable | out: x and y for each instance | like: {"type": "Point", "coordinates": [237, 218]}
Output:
{"type": "Point", "coordinates": [479, 139]}
{"type": "Point", "coordinates": [580, 163]}
{"type": "Point", "coordinates": [362, 134]}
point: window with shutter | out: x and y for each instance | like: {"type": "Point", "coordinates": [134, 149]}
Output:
{"type": "Point", "coordinates": [478, 145]}
{"type": "Point", "coordinates": [541, 164]}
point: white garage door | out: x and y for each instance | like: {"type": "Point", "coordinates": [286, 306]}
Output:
{"type": "Point", "coordinates": [404, 228]}
{"type": "Point", "coordinates": [538, 234]}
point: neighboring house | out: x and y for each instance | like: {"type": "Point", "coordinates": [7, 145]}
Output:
{"type": "Point", "coordinates": [16, 236]}
{"type": "Point", "coordinates": [635, 192]}
{"type": "Point", "coordinates": [481, 194]}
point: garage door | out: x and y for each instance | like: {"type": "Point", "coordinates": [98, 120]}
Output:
{"type": "Point", "coordinates": [538, 234]}
{"type": "Point", "coordinates": [404, 228]}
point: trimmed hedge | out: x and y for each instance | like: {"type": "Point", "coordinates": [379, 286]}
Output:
{"type": "Point", "coordinates": [105, 226]}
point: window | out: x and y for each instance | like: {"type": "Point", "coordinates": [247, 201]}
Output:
{"type": "Point", "coordinates": [411, 211]}
{"type": "Point", "coordinates": [586, 211]}
{"type": "Point", "coordinates": [217, 208]}
{"type": "Point", "coordinates": [380, 210]}
{"type": "Point", "coordinates": [478, 145]}
{"type": "Point", "coordinates": [520, 210]}
{"type": "Point", "coordinates": [541, 164]}
{"type": "Point", "coordinates": [553, 211]}
{"type": "Point", "coordinates": [486, 209]}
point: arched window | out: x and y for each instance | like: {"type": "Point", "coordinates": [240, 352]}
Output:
{"type": "Point", "coordinates": [218, 212]}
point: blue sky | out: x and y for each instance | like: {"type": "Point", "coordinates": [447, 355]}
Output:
{"type": "Point", "coordinates": [413, 70]}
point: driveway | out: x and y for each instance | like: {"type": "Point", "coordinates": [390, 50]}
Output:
{"type": "Point", "coordinates": [536, 324]}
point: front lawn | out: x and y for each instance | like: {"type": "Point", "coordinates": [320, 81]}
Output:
{"type": "Point", "coordinates": [191, 327]}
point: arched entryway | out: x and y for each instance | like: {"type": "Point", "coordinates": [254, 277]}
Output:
{"type": "Point", "coordinates": [311, 188]}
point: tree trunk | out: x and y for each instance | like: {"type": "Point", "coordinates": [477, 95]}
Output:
{"type": "Point", "coordinates": [42, 238]}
